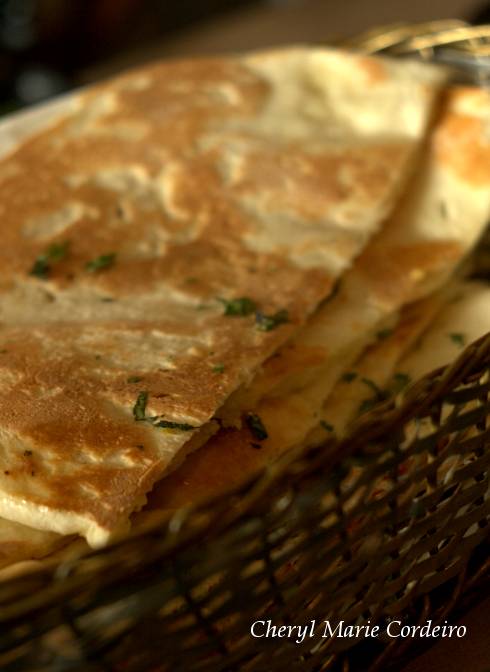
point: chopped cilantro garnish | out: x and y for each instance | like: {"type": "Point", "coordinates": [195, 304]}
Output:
{"type": "Point", "coordinates": [349, 376]}
{"type": "Point", "coordinates": [139, 413]}
{"type": "Point", "coordinates": [134, 379]}
{"type": "Point", "coordinates": [458, 339]}
{"type": "Point", "coordinates": [57, 251]}
{"type": "Point", "coordinates": [379, 395]}
{"type": "Point", "coordinates": [40, 268]}
{"type": "Point", "coordinates": [240, 307]}
{"type": "Point", "coordinates": [327, 426]}
{"type": "Point", "coordinates": [400, 381]}
{"type": "Point", "coordinates": [42, 265]}
{"type": "Point", "coordinates": [166, 424]}
{"type": "Point", "coordinates": [384, 333]}
{"type": "Point", "coordinates": [256, 426]}
{"type": "Point", "coordinates": [99, 263]}
{"type": "Point", "coordinates": [218, 368]}
{"type": "Point", "coordinates": [139, 408]}
{"type": "Point", "coordinates": [368, 404]}
{"type": "Point", "coordinates": [371, 384]}
{"type": "Point", "coordinates": [269, 322]}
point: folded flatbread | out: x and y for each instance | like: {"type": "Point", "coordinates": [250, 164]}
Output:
{"type": "Point", "coordinates": [465, 318]}
{"type": "Point", "coordinates": [442, 215]}
{"type": "Point", "coordinates": [430, 333]}
{"type": "Point", "coordinates": [165, 237]}
{"type": "Point", "coordinates": [377, 374]}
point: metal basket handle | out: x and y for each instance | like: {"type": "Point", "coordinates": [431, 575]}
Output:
{"type": "Point", "coordinates": [452, 42]}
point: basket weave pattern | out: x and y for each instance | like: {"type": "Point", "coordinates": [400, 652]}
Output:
{"type": "Point", "coordinates": [391, 523]}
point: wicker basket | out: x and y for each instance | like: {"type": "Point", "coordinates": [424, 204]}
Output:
{"type": "Point", "coordinates": [391, 523]}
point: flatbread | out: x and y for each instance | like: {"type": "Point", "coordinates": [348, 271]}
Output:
{"type": "Point", "coordinates": [414, 254]}
{"type": "Point", "coordinates": [423, 340]}
{"type": "Point", "coordinates": [168, 199]}
{"type": "Point", "coordinates": [466, 318]}
{"type": "Point", "coordinates": [376, 372]}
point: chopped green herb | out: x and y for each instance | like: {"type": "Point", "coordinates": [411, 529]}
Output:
{"type": "Point", "coordinates": [239, 307]}
{"type": "Point", "coordinates": [57, 251]}
{"type": "Point", "coordinates": [327, 426]}
{"type": "Point", "coordinates": [349, 376]}
{"type": "Point", "coordinates": [40, 268]}
{"type": "Point", "coordinates": [42, 265]}
{"type": "Point", "coordinates": [368, 404]}
{"type": "Point", "coordinates": [134, 379]}
{"type": "Point", "coordinates": [379, 395]}
{"type": "Point", "coordinates": [270, 322]}
{"type": "Point", "coordinates": [99, 263]}
{"type": "Point", "coordinates": [139, 413]}
{"type": "Point", "coordinates": [400, 381]}
{"type": "Point", "coordinates": [458, 339]}
{"type": "Point", "coordinates": [384, 333]}
{"type": "Point", "coordinates": [372, 385]}
{"type": "Point", "coordinates": [256, 426]}
{"type": "Point", "coordinates": [139, 408]}
{"type": "Point", "coordinates": [27, 453]}
{"type": "Point", "coordinates": [218, 368]}
{"type": "Point", "coordinates": [166, 424]}
{"type": "Point", "coordinates": [98, 357]}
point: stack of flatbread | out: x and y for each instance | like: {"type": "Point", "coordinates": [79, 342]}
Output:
{"type": "Point", "coordinates": [208, 263]}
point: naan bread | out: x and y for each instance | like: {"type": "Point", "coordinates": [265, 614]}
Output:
{"type": "Point", "coordinates": [134, 231]}
{"type": "Point", "coordinates": [466, 318]}
{"type": "Point", "coordinates": [376, 372]}
{"type": "Point", "coordinates": [441, 217]}
{"type": "Point", "coordinates": [414, 348]}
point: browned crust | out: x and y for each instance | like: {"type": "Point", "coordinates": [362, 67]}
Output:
{"type": "Point", "coordinates": [180, 241]}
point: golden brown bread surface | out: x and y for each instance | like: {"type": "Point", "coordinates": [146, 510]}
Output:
{"type": "Point", "coordinates": [164, 192]}
{"type": "Point", "coordinates": [440, 218]}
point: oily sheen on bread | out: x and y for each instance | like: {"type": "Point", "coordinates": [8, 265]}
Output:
{"type": "Point", "coordinates": [161, 240]}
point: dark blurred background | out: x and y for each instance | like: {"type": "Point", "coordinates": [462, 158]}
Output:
{"type": "Point", "coordinates": [51, 46]}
